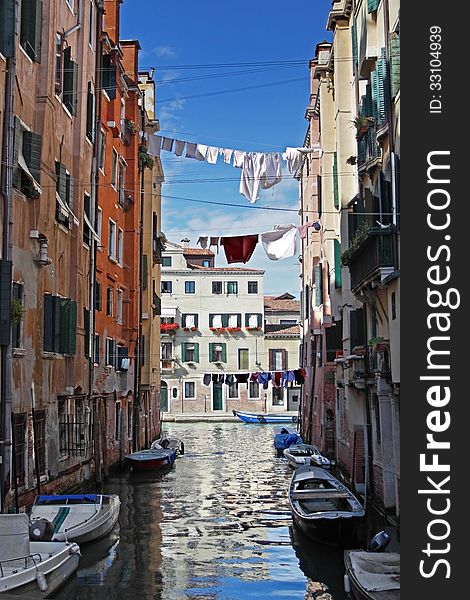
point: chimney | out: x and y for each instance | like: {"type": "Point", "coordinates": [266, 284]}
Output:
{"type": "Point", "coordinates": [185, 242]}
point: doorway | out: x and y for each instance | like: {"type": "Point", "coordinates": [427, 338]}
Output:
{"type": "Point", "coordinates": [164, 396]}
{"type": "Point", "coordinates": [216, 396]}
{"type": "Point", "coordinates": [293, 398]}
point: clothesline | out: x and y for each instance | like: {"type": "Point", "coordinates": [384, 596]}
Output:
{"type": "Point", "coordinates": [278, 379]}
{"type": "Point", "coordinates": [260, 170]}
{"type": "Point", "coordinates": [279, 243]}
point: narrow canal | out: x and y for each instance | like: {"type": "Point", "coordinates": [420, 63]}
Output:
{"type": "Point", "coordinates": [218, 526]}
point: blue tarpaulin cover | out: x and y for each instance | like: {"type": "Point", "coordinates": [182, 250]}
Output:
{"type": "Point", "coordinates": [285, 440]}
{"type": "Point", "coordinates": [72, 498]}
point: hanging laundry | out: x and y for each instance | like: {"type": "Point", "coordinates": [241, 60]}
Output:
{"type": "Point", "coordinates": [221, 378]}
{"type": "Point", "coordinates": [229, 379]}
{"type": "Point", "coordinates": [303, 228]}
{"type": "Point", "coordinates": [254, 377]}
{"type": "Point", "coordinates": [227, 155]}
{"type": "Point", "coordinates": [238, 157]}
{"type": "Point", "coordinates": [277, 379]}
{"type": "Point", "coordinates": [212, 155]}
{"type": "Point", "coordinates": [190, 150]}
{"type": "Point", "coordinates": [281, 242]}
{"type": "Point", "coordinates": [179, 147]}
{"type": "Point", "coordinates": [214, 241]}
{"type": "Point", "coordinates": [254, 169]}
{"type": "Point", "coordinates": [207, 379]}
{"type": "Point", "coordinates": [289, 378]}
{"type": "Point", "coordinates": [264, 379]}
{"type": "Point", "coordinates": [239, 248]}
{"type": "Point", "coordinates": [273, 170]}
{"type": "Point", "coordinates": [202, 241]}
{"type": "Point", "coordinates": [154, 145]}
{"type": "Point", "coordinates": [299, 378]}
{"type": "Point", "coordinates": [294, 159]}
{"type": "Point", "coordinates": [242, 377]}
{"type": "Point", "coordinates": [201, 151]}
{"type": "Point", "coordinates": [215, 378]}
{"type": "Point", "coordinates": [167, 144]}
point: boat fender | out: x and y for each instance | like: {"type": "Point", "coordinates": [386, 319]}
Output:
{"type": "Point", "coordinates": [347, 584]}
{"type": "Point", "coordinates": [42, 582]}
{"type": "Point", "coordinates": [41, 530]}
{"type": "Point", "coordinates": [75, 550]}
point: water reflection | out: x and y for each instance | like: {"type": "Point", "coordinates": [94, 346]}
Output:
{"type": "Point", "coordinates": [217, 526]}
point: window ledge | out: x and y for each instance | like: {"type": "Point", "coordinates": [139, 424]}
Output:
{"type": "Point", "coordinates": [50, 355]}
{"type": "Point", "coordinates": [19, 352]}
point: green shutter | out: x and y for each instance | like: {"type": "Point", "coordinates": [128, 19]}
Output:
{"type": "Point", "coordinates": [372, 5]}
{"type": "Point", "coordinates": [69, 191]}
{"type": "Point", "coordinates": [64, 320]}
{"type": "Point", "coordinates": [48, 339]}
{"type": "Point", "coordinates": [74, 97]}
{"type": "Point", "coordinates": [367, 106]}
{"type": "Point", "coordinates": [98, 296]}
{"type": "Point", "coordinates": [318, 285]}
{"type": "Point", "coordinates": [196, 352]}
{"type": "Point", "coordinates": [224, 352]}
{"type": "Point", "coordinates": [97, 349]}
{"type": "Point", "coordinates": [395, 63]}
{"type": "Point", "coordinates": [73, 328]}
{"type": "Point", "coordinates": [61, 184]}
{"type": "Point", "coordinates": [32, 144]}
{"type": "Point", "coordinates": [69, 93]}
{"type": "Point", "coordinates": [38, 32]}
{"type": "Point", "coordinates": [7, 28]}
{"type": "Point", "coordinates": [28, 27]}
{"type": "Point", "coordinates": [183, 351]}
{"type": "Point", "coordinates": [108, 76]}
{"type": "Point", "coordinates": [354, 43]}
{"type": "Point", "coordinates": [144, 271]}
{"type": "Point", "coordinates": [86, 327]}
{"type": "Point", "coordinates": [374, 83]}
{"type": "Point", "coordinates": [338, 277]}
{"type": "Point", "coordinates": [211, 352]}
{"type": "Point", "coordinates": [16, 151]}
{"type": "Point", "coordinates": [381, 69]}
{"type": "Point", "coordinates": [224, 320]}
{"type": "Point", "coordinates": [335, 181]}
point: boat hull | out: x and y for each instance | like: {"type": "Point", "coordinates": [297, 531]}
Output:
{"type": "Point", "coordinates": [151, 461]}
{"type": "Point", "coordinates": [333, 532]}
{"type": "Point", "coordinates": [57, 570]}
{"type": "Point", "coordinates": [264, 417]}
{"type": "Point", "coordinates": [358, 592]}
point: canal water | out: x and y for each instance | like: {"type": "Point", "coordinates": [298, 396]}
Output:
{"type": "Point", "coordinates": [217, 526]}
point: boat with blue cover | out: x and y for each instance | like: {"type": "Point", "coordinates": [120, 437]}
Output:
{"type": "Point", "coordinates": [152, 459]}
{"type": "Point", "coordinates": [248, 417]}
{"type": "Point", "coordinates": [284, 437]}
{"type": "Point", "coordinates": [74, 517]}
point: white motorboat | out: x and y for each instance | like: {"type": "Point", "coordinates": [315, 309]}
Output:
{"type": "Point", "coordinates": [74, 517]}
{"type": "Point", "coordinates": [299, 455]}
{"type": "Point", "coordinates": [37, 568]}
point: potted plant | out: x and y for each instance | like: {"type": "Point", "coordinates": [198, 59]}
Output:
{"type": "Point", "coordinates": [362, 124]}
{"type": "Point", "coordinates": [131, 127]}
{"type": "Point", "coordinates": [145, 160]}
{"type": "Point", "coordinates": [17, 310]}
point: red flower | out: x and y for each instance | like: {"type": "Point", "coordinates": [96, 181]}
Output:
{"type": "Point", "coordinates": [169, 326]}
{"type": "Point", "coordinates": [194, 329]}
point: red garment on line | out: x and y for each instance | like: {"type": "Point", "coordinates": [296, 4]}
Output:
{"type": "Point", "coordinates": [239, 248]}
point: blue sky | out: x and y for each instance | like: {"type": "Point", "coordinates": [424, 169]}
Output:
{"type": "Point", "coordinates": [178, 35]}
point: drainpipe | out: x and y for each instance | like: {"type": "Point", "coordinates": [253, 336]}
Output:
{"type": "Point", "coordinates": [6, 189]}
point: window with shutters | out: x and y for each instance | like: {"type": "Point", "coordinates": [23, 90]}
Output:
{"type": "Point", "coordinates": [19, 445]}
{"type": "Point", "coordinates": [216, 287]}
{"type": "Point", "coordinates": [40, 439]}
{"type": "Point", "coordinates": [69, 82]}
{"type": "Point", "coordinates": [243, 358]}
{"type": "Point", "coordinates": [123, 361]}
{"type": "Point", "coordinates": [189, 389]}
{"type": "Point", "coordinates": [99, 224]}
{"type": "Point", "coordinates": [109, 301]}
{"type": "Point", "coordinates": [108, 75]}
{"type": "Point", "coordinates": [252, 287]}
{"type": "Point", "coordinates": [30, 28]}
{"type": "Point", "coordinates": [90, 113]}
{"type": "Point", "coordinates": [218, 352]}
{"type": "Point", "coordinates": [318, 284]}
{"type": "Point", "coordinates": [102, 152]}
{"type": "Point", "coordinates": [110, 353]}
{"type": "Point", "coordinates": [253, 390]}
{"type": "Point", "coordinates": [114, 169]}
{"type": "Point", "coordinates": [86, 327]}
{"type": "Point", "coordinates": [64, 196]}
{"type": "Point", "coordinates": [166, 261]}
{"type": "Point", "coordinates": [253, 320]}
{"type": "Point", "coordinates": [166, 287]}
{"type": "Point", "coordinates": [97, 356]}
{"type": "Point", "coordinates": [26, 160]}
{"type": "Point", "coordinates": [119, 307]}
{"type": "Point", "coordinates": [231, 287]}
{"type": "Point", "coordinates": [7, 28]}
{"type": "Point", "coordinates": [120, 247]}
{"type": "Point", "coordinates": [394, 62]}
{"type": "Point", "coordinates": [233, 390]}
{"type": "Point", "coordinates": [338, 274]}
{"type": "Point", "coordinates": [190, 320]}
{"type": "Point", "coordinates": [98, 296]}
{"type": "Point", "coordinates": [92, 24]}
{"type": "Point", "coordinates": [277, 360]}
{"type": "Point", "coordinates": [112, 240]}
{"type": "Point", "coordinates": [60, 325]}
{"type": "Point", "coordinates": [17, 315]}
{"type": "Point", "coordinates": [87, 214]}
{"type": "Point", "coordinates": [189, 287]}
{"type": "Point", "coordinates": [335, 181]}
{"type": "Point", "coordinates": [190, 352]}
{"type": "Point", "coordinates": [121, 183]}
{"type": "Point", "coordinates": [58, 63]}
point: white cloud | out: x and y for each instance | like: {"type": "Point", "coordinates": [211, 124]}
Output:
{"type": "Point", "coordinates": [165, 51]}
{"type": "Point", "coordinates": [169, 113]}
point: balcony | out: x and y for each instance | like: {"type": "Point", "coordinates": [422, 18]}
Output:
{"type": "Point", "coordinates": [368, 150]}
{"type": "Point", "coordinates": [168, 364]}
{"type": "Point", "coordinates": [372, 254]}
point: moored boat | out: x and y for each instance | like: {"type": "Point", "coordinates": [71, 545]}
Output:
{"type": "Point", "coordinates": [299, 455]}
{"type": "Point", "coordinates": [248, 417]}
{"type": "Point", "coordinates": [152, 459]}
{"type": "Point", "coordinates": [284, 437]}
{"type": "Point", "coordinates": [323, 507]}
{"type": "Point", "coordinates": [372, 575]}
{"type": "Point", "coordinates": [79, 518]}
{"type": "Point", "coordinates": [36, 568]}
{"type": "Point", "coordinates": [169, 442]}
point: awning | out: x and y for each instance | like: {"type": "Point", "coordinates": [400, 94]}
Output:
{"type": "Point", "coordinates": [168, 311]}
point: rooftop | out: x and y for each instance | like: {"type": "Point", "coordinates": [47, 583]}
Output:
{"type": "Point", "coordinates": [285, 302]}
{"type": "Point", "coordinates": [197, 252]}
{"type": "Point", "coordinates": [282, 330]}
{"type": "Point", "coordinates": [233, 269]}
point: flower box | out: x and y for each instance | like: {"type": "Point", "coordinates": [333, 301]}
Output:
{"type": "Point", "coordinates": [232, 329]}
{"type": "Point", "coordinates": [190, 329]}
{"type": "Point", "coordinates": [253, 328]}
{"type": "Point", "coordinates": [169, 326]}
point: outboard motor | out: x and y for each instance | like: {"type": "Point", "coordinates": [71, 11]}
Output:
{"type": "Point", "coordinates": [41, 530]}
{"type": "Point", "coordinates": [379, 542]}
